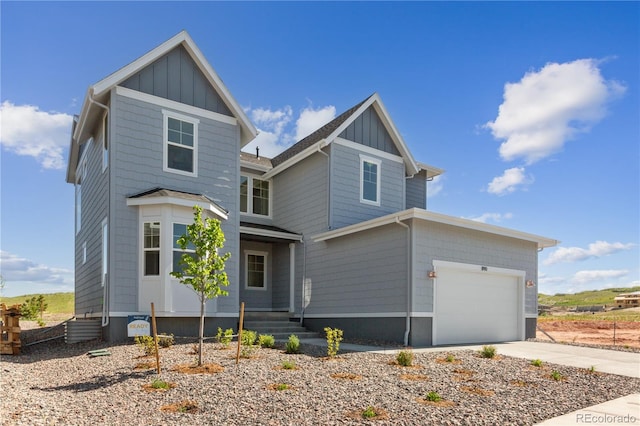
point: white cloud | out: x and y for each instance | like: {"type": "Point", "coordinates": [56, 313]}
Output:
{"type": "Point", "coordinates": [24, 276]}
{"type": "Point", "coordinates": [435, 186]}
{"type": "Point", "coordinates": [25, 130]}
{"type": "Point", "coordinates": [575, 254]}
{"type": "Point", "coordinates": [311, 120]}
{"type": "Point", "coordinates": [276, 132]}
{"type": "Point", "coordinates": [510, 180]}
{"type": "Point", "coordinates": [549, 107]}
{"type": "Point", "coordinates": [584, 277]}
{"type": "Point", "coordinates": [494, 217]}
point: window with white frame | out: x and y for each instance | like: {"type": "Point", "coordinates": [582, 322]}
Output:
{"type": "Point", "coordinates": [84, 252]}
{"type": "Point", "coordinates": [80, 176]}
{"type": "Point", "coordinates": [105, 141]}
{"type": "Point", "coordinates": [255, 196]}
{"type": "Point", "coordinates": [151, 247]}
{"type": "Point", "coordinates": [179, 230]}
{"type": "Point", "coordinates": [180, 144]}
{"type": "Point", "coordinates": [105, 250]}
{"type": "Point", "coordinates": [369, 180]}
{"type": "Point", "coordinates": [255, 270]}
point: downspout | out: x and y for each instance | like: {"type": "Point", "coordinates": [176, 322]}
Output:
{"type": "Point", "coordinates": [304, 278]}
{"type": "Point", "coordinates": [407, 326]}
{"type": "Point", "coordinates": [105, 290]}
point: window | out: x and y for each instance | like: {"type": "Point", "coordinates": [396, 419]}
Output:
{"type": "Point", "coordinates": [105, 141]}
{"type": "Point", "coordinates": [256, 270]}
{"type": "Point", "coordinates": [84, 252]}
{"type": "Point", "coordinates": [105, 250]}
{"type": "Point", "coordinates": [178, 231]}
{"type": "Point", "coordinates": [151, 248]}
{"type": "Point", "coordinates": [180, 144]}
{"type": "Point", "coordinates": [80, 175]}
{"type": "Point", "coordinates": [369, 181]}
{"type": "Point", "coordinates": [258, 202]}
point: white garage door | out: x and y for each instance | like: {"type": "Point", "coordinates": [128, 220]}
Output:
{"type": "Point", "coordinates": [475, 306]}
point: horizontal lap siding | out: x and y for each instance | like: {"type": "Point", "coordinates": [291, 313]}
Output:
{"type": "Point", "coordinates": [364, 273]}
{"type": "Point", "coordinates": [416, 193]}
{"type": "Point", "coordinates": [434, 241]}
{"type": "Point", "coordinates": [137, 142]}
{"type": "Point", "coordinates": [345, 187]}
{"type": "Point", "coordinates": [88, 276]}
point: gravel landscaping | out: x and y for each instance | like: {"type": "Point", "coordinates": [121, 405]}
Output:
{"type": "Point", "coordinates": [60, 384]}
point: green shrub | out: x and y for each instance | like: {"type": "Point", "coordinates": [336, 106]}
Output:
{"type": "Point", "coordinates": [249, 337]}
{"type": "Point", "coordinates": [405, 358]}
{"type": "Point", "coordinates": [334, 337]}
{"type": "Point", "coordinates": [293, 345]}
{"type": "Point", "coordinates": [224, 337]}
{"type": "Point", "coordinates": [450, 358]}
{"type": "Point", "coordinates": [488, 351]}
{"type": "Point", "coordinates": [555, 375]}
{"type": "Point", "coordinates": [433, 397]}
{"type": "Point", "coordinates": [165, 340]}
{"type": "Point", "coordinates": [289, 365]}
{"type": "Point", "coordinates": [266, 341]}
{"type": "Point", "coordinates": [147, 344]}
{"type": "Point", "coordinates": [160, 384]}
{"type": "Point", "coordinates": [369, 412]}
{"type": "Point", "coordinates": [282, 386]}
{"type": "Point", "coordinates": [33, 308]}
{"type": "Point", "coordinates": [536, 363]}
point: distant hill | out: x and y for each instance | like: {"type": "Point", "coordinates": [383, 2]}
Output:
{"type": "Point", "coordinates": [58, 303]}
{"type": "Point", "coordinates": [584, 298]}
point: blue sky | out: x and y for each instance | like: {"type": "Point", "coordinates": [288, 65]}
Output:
{"type": "Point", "coordinates": [531, 108]}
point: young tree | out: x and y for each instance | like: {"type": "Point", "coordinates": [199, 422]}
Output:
{"type": "Point", "coordinates": [203, 269]}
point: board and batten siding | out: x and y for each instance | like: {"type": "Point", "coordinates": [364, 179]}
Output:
{"type": "Point", "coordinates": [137, 163]}
{"type": "Point", "coordinates": [436, 241]}
{"type": "Point", "coordinates": [368, 130]}
{"type": "Point", "coordinates": [363, 273]}
{"type": "Point", "coordinates": [345, 187]}
{"type": "Point", "coordinates": [176, 77]}
{"type": "Point", "coordinates": [88, 275]}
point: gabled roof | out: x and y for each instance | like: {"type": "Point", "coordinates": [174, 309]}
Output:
{"type": "Point", "coordinates": [252, 161]}
{"type": "Point", "coordinates": [157, 196]}
{"type": "Point", "coordinates": [97, 93]}
{"type": "Point", "coordinates": [330, 131]}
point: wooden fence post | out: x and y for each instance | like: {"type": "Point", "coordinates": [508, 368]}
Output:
{"type": "Point", "coordinates": [240, 332]}
{"type": "Point", "coordinates": [155, 336]}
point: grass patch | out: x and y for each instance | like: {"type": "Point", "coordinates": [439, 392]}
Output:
{"type": "Point", "coordinates": [57, 303]}
{"type": "Point", "coordinates": [158, 385]}
{"type": "Point", "coordinates": [585, 298]}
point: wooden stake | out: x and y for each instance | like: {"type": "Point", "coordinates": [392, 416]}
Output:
{"type": "Point", "coordinates": [155, 336]}
{"type": "Point", "coordinates": [240, 332]}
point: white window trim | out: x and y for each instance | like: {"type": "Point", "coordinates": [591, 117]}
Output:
{"type": "Point", "coordinates": [81, 173]}
{"type": "Point", "coordinates": [105, 250]}
{"type": "Point", "coordinates": [378, 163]}
{"type": "Point", "coordinates": [105, 141]}
{"type": "Point", "coordinates": [165, 142]}
{"type": "Point", "coordinates": [249, 211]}
{"type": "Point", "coordinates": [265, 254]}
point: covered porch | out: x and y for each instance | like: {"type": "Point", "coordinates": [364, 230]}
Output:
{"type": "Point", "coordinates": [267, 267]}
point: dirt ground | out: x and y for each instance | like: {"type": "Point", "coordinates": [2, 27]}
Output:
{"type": "Point", "coordinates": [619, 333]}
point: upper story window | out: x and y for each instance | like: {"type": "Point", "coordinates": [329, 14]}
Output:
{"type": "Point", "coordinates": [80, 177]}
{"type": "Point", "coordinates": [105, 141]}
{"type": "Point", "coordinates": [255, 196]}
{"type": "Point", "coordinates": [180, 144]}
{"type": "Point", "coordinates": [369, 180]}
{"type": "Point", "coordinates": [151, 247]}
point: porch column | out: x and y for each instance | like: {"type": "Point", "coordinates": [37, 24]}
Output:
{"type": "Point", "coordinates": [292, 275]}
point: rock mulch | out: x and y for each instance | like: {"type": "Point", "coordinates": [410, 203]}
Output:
{"type": "Point", "coordinates": [59, 384]}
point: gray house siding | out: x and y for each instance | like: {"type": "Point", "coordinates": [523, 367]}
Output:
{"type": "Point", "coordinates": [281, 278]}
{"type": "Point", "coordinates": [364, 273]}
{"type": "Point", "coordinates": [434, 241]}
{"type": "Point", "coordinates": [137, 163]}
{"type": "Point", "coordinates": [345, 190]}
{"type": "Point", "coordinates": [94, 187]}
{"type": "Point", "coordinates": [368, 130]}
{"type": "Point", "coordinates": [175, 76]}
{"type": "Point", "coordinates": [416, 192]}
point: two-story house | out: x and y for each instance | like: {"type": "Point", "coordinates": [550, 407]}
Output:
{"type": "Point", "coordinates": [334, 230]}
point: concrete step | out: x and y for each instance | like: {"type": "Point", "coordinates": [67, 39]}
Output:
{"type": "Point", "coordinates": [301, 335]}
{"type": "Point", "coordinates": [266, 316]}
{"type": "Point", "coordinates": [274, 324]}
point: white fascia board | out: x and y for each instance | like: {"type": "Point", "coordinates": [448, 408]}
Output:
{"type": "Point", "coordinates": [421, 214]}
{"type": "Point", "coordinates": [269, 233]}
{"type": "Point", "coordinates": [431, 170]}
{"type": "Point", "coordinates": [412, 167]}
{"type": "Point", "coordinates": [368, 150]}
{"type": "Point", "coordinates": [175, 201]}
{"type": "Point", "coordinates": [254, 166]}
{"type": "Point", "coordinates": [296, 158]}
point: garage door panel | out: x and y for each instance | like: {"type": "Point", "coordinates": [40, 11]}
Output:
{"type": "Point", "coordinates": [476, 307]}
